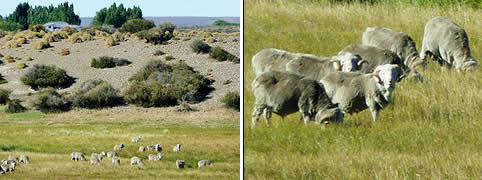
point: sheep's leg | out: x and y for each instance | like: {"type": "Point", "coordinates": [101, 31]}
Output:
{"type": "Point", "coordinates": [257, 111]}
{"type": "Point", "coordinates": [267, 115]}
{"type": "Point", "coordinates": [375, 114]}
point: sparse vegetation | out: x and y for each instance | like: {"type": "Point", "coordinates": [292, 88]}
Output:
{"type": "Point", "coordinates": [108, 62]}
{"type": "Point", "coordinates": [231, 100]}
{"type": "Point", "coordinates": [4, 96]}
{"type": "Point", "coordinates": [109, 41]}
{"type": "Point", "coordinates": [220, 54]}
{"type": "Point", "coordinates": [186, 39]}
{"type": "Point", "coordinates": [198, 46]}
{"type": "Point", "coordinates": [41, 76]}
{"type": "Point", "coordinates": [96, 94]}
{"type": "Point", "coordinates": [224, 23]}
{"type": "Point", "coordinates": [49, 100]}
{"type": "Point", "coordinates": [158, 53]}
{"type": "Point", "coordinates": [168, 58]}
{"type": "Point", "coordinates": [12, 44]}
{"type": "Point", "coordinates": [14, 106]}
{"type": "Point", "coordinates": [159, 84]}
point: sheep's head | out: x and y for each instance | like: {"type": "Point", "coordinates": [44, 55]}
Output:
{"type": "Point", "coordinates": [387, 75]}
{"type": "Point", "coordinates": [122, 145]}
{"type": "Point", "coordinates": [347, 62]}
{"type": "Point", "coordinates": [327, 114]}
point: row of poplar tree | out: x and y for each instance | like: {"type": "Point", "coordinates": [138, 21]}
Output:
{"type": "Point", "coordinates": [25, 15]}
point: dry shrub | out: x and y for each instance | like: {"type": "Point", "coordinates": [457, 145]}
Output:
{"type": "Point", "coordinates": [10, 60]}
{"type": "Point", "coordinates": [12, 44]}
{"type": "Point", "coordinates": [87, 37]}
{"type": "Point", "coordinates": [211, 40]}
{"type": "Point", "coordinates": [109, 41]}
{"type": "Point", "coordinates": [41, 44]}
{"type": "Point", "coordinates": [69, 30]}
{"type": "Point", "coordinates": [21, 41]}
{"type": "Point", "coordinates": [8, 37]}
{"type": "Point", "coordinates": [65, 52]}
{"type": "Point", "coordinates": [118, 37]}
{"type": "Point", "coordinates": [36, 28]}
{"type": "Point", "coordinates": [75, 38]}
{"type": "Point", "coordinates": [28, 58]}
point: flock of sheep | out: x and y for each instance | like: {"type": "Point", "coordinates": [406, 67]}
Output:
{"type": "Point", "coordinates": [362, 76]}
{"type": "Point", "coordinates": [95, 159]}
{"type": "Point", "coordinates": [12, 162]}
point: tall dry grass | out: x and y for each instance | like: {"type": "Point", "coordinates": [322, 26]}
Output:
{"type": "Point", "coordinates": [431, 130]}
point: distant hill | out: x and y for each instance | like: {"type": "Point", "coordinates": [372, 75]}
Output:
{"type": "Point", "coordinates": [179, 21]}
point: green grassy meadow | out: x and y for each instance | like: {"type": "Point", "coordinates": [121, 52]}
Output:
{"type": "Point", "coordinates": [48, 139]}
{"type": "Point", "coordinates": [431, 130]}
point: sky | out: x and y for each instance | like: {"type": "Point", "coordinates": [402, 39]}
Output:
{"type": "Point", "coordinates": [87, 8]}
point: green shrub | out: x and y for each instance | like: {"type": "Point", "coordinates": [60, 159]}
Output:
{"type": "Point", "coordinates": [231, 100]}
{"type": "Point", "coordinates": [20, 65]}
{"type": "Point", "coordinates": [4, 96]}
{"type": "Point", "coordinates": [96, 94]}
{"type": "Point", "coordinates": [223, 23]}
{"type": "Point", "coordinates": [159, 84]}
{"type": "Point", "coordinates": [186, 39]}
{"type": "Point", "coordinates": [158, 35]}
{"type": "Point", "coordinates": [220, 54]}
{"type": "Point", "coordinates": [40, 76]}
{"type": "Point", "coordinates": [14, 106]}
{"type": "Point", "coordinates": [159, 53]}
{"type": "Point", "coordinates": [200, 47]}
{"type": "Point", "coordinates": [36, 28]}
{"type": "Point", "coordinates": [65, 52]}
{"type": "Point", "coordinates": [10, 26]}
{"type": "Point", "coordinates": [136, 25]}
{"type": "Point", "coordinates": [50, 101]}
{"type": "Point", "coordinates": [168, 58]}
{"type": "Point", "coordinates": [108, 62]}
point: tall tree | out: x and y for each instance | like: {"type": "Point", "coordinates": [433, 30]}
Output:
{"type": "Point", "coordinates": [116, 15]}
{"type": "Point", "coordinates": [20, 15]}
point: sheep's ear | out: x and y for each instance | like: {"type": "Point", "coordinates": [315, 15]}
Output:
{"type": "Point", "coordinates": [336, 64]}
{"type": "Point", "coordinates": [377, 78]}
{"type": "Point", "coordinates": [361, 62]}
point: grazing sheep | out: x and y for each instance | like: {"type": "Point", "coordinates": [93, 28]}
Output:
{"type": "Point", "coordinates": [447, 43]}
{"type": "Point", "coordinates": [116, 160]}
{"type": "Point", "coordinates": [355, 92]}
{"type": "Point", "coordinates": [286, 93]}
{"type": "Point", "coordinates": [24, 159]}
{"type": "Point", "coordinates": [13, 158]}
{"type": "Point", "coordinates": [202, 163]}
{"type": "Point", "coordinates": [177, 148]}
{"type": "Point", "coordinates": [118, 147]}
{"type": "Point", "coordinates": [158, 148]}
{"type": "Point", "coordinates": [136, 139]}
{"type": "Point", "coordinates": [276, 60]}
{"type": "Point", "coordinates": [155, 157]}
{"type": "Point", "coordinates": [112, 154]}
{"type": "Point", "coordinates": [8, 165]}
{"type": "Point", "coordinates": [375, 57]}
{"type": "Point", "coordinates": [142, 149]}
{"type": "Point", "coordinates": [95, 159]}
{"type": "Point", "coordinates": [150, 147]}
{"type": "Point", "coordinates": [180, 164]}
{"type": "Point", "coordinates": [78, 156]}
{"type": "Point", "coordinates": [136, 161]}
{"type": "Point", "coordinates": [398, 42]}
{"type": "Point", "coordinates": [316, 69]}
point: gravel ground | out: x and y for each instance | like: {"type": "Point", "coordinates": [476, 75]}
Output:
{"type": "Point", "coordinates": [77, 64]}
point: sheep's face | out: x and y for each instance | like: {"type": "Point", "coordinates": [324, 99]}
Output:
{"type": "Point", "coordinates": [388, 74]}
{"type": "Point", "coordinates": [332, 114]}
{"type": "Point", "coordinates": [348, 62]}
